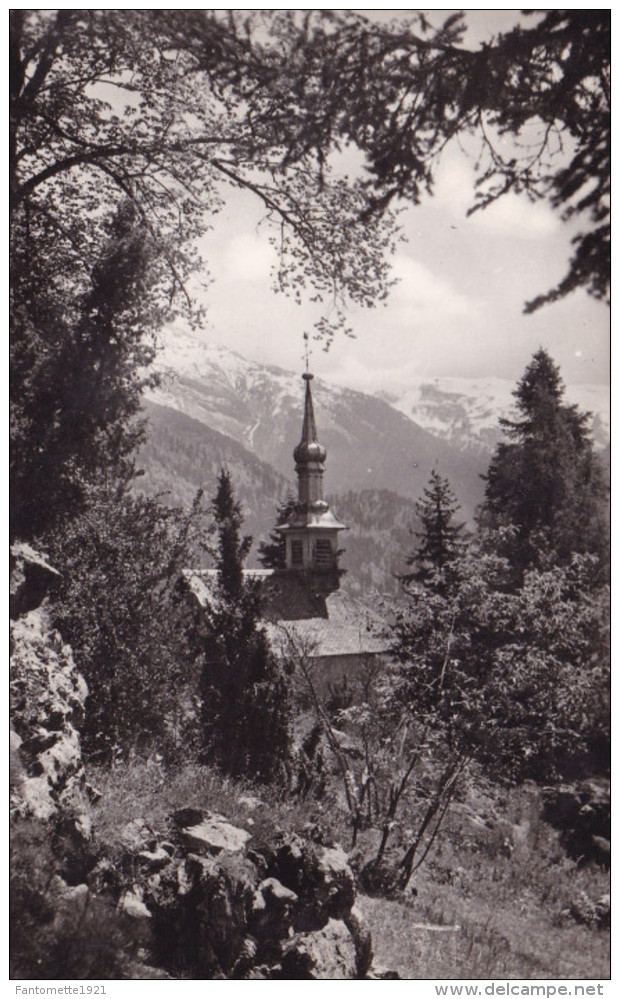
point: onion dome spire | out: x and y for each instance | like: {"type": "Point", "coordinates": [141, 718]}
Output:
{"type": "Point", "coordinates": [311, 531]}
{"type": "Point", "coordinates": [309, 449]}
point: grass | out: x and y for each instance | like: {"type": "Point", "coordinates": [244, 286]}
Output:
{"type": "Point", "coordinates": [510, 904]}
{"type": "Point", "coordinates": [498, 873]}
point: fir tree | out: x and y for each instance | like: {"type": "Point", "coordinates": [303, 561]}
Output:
{"type": "Point", "coordinates": [440, 540]}
{"type": "Point", "coordinates": [245, 705]}
{"type": "Point", "coordinates": [545, 484]}
{"type": "Point", "coordinates": [272, 553]}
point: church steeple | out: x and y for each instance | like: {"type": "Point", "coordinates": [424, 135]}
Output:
{"type": "Point", "coordinates": [311, 532]}
{"type": "Point", "coordinates": [309, 455]}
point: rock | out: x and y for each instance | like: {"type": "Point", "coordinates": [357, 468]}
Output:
{"type": "Point", "coordinates": [132, 904]}
{"type": "Point", "coordinates": [140, 972]}
{"type": "Point", "coordinates": [602, 908]}
{"type": "Point", "coordinates": [153, 860]}
{"type": "Point", "coordinates": [31, 578]}
{"type": "Point", "coordinates": [188, 817]}
{"type": "Point", "coordinates": [379, 974]}
{"type": "Point", "coordinates": [362, 940]}
{"type": "Point", "coordinates": [35, 799]}
{"type": "Point", "coordinates": [94, 795]}
{"type": "Point", "coordinates": [47, 695]}
{"type": "Point", "coordinates": [328, 953]}
{"type": "Point", "coordinates": [103, 878]}
{"type": "Point", "coordinates": [272, 910]}
{"type": "Point", "coordinates": [319, 876]}
{"type": "Point", "coordinates": [601, 850]}
{"type": "Point", "coordinates": [215, 834]}
{"type": "Point", "coordinates": [580, 811]}
{"type": "Point", "coordinates": [203, 909]}
{"type": "Point", "coordinates": [136, 836]}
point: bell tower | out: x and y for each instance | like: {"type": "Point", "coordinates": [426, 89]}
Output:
{"type": "Point", "coordinates": [311, 532]}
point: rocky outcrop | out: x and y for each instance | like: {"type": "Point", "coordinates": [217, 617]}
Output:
{"type": "Point", "coordinates": [31, 578]}
{"type": "Point", "coordinates": [582, 813]}
{"type": "Point", "coordinates": [219, 905]}
{"type": "Point", "coordinates": [47, 696]}
{"type": "Point", "coordinates": [203, 898]}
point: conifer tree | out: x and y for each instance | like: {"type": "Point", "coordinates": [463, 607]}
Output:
{"type": "Point", "coordinates": [245, 705]}
{"type": "Point", "coordinates": [545, 483]}
{"type": "Point", "coordinates": [440, 540]}
{"type": "Point", "coordinates": [272, 553]}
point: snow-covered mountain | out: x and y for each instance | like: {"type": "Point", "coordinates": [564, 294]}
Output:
{"type": "Point", "coordinates": [382, 441]}
{"type": "Point", "coordinates": [370, 444]}
{"type": "Point", "coordinates": [466, 411]}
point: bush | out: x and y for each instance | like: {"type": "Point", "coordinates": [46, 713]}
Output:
{"type": "Point", "coordinates": [52, 937]}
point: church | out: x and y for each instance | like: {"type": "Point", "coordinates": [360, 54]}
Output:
{"type": "Point", "coordinates": [303, 607]}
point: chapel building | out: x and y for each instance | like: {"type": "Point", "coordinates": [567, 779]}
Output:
{"type": "Point", "coordinates": [303, 605]}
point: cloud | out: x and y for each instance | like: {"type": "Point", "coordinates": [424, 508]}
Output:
{"type": "Point", "coordinates": [424, 297]}
{"type": "Point", "coordinates": [247, 256]}
{"type": "Point", "coordinates": [511, 216]}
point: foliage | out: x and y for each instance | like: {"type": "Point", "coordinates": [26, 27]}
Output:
{"type": "Point", "coordinates": [517, 679]}
{"type": "Point", "coordinates": [272, 553]}
{"type": "Point", "coordinates": [171, 108]}
{"type": "Point", "coordinates": [77, 371]}
{"type": "Point", "coordinates": [120, 605]}
{"type": "Point", "coordinates": [440, 539]}
{"type": "Point", "coordinates": [404, 90]}
{"type": "Point", "coordinates": [546, 483]}
{"type": "Point", "coordinates": [80, 938]}
{"type": "Point", "coordinates": [245, 706]}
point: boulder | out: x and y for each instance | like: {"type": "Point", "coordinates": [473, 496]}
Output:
{"type": "Point", "coordinates": [31, 578]}
{"type": "Point", "coordinates": [132, 904]}
{"type": "Point", "coordinates": [188, 817]}
{"type": "Point", "coordinates": [377, 973]}
{"type": "Point", "coordinates": [213, 835]}
{"type": "Point", "coordinates": [153, 860]}
{"type": "Point", "coordinates": [328, 953]}
{"type": "Point", "coordinates": [136, 836]}
{"type": "Point", "coordinates": [319, 876]}
{"type": "Point", "coordinates": [272, 910]}
{"type": "Point", "coordinates": [362, 940]}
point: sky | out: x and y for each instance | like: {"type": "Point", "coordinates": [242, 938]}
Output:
{"type": "Point", "coordinates": [457, 309]}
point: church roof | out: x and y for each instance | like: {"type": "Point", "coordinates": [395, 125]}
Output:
{"type": "Point", "coordinates": [321, 625]}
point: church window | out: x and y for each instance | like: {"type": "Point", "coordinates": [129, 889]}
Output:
{"type": "Point", "coordinates": [297, 552]}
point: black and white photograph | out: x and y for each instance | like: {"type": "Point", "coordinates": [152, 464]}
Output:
{"type": "Point", "coordinates": [310, 499]}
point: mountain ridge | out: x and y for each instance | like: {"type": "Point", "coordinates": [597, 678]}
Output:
{"type": "Point", "coordinates": [369, 443]}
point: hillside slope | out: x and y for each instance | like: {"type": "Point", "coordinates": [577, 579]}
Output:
{"type": "Point", "coordinates": [370, 445]}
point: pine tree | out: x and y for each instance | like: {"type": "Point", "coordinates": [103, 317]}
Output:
{"type": "Point", "coordinates": [232, 549]}
{"type": "Point", "coordinates": [245, 704]}
{"type": "Point", "coordinates": [441, 539]}
{"type": "Point", "coordinates": [272, 553]}
{"type": "Point", "coordinates": [545, 483]}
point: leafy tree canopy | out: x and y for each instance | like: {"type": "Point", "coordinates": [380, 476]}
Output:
{"type": "Point", "coordinates": [120, 606]}
{"type": "Point", "coordinates": [169, 107]}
